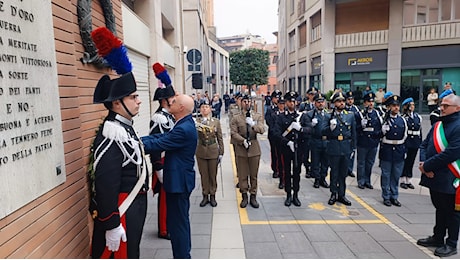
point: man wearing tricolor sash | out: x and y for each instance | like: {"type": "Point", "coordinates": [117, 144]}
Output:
{"type": "Point", "coordinates": [439, 164]}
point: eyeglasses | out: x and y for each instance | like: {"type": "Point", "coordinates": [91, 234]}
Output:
{"type": "Point", "coordinates": [446, 106]}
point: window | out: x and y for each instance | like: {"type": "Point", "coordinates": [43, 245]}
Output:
{"type": "Point", "coordinates": [446, 8]}
{"type": "Point", "coordinates": [292, 41]}
{"type": "Point", "coordinates": [430, 11]}
{"type": "Point", "coordinates": [315, 22]}
{"type": "Point", "coordinates": [303, 35]}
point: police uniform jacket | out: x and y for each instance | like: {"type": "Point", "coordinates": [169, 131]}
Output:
{"type": "Point", "coordinates": [115, 172]}
{"type": "Point", "coordinates": [392, 146]}
{"type": "Point", "coordinates": [239, 130]}
{"type": "Point", "coordinates": [437, 163]}
{"type": "Point", "coordinates": [369, 135]}
{"type": "Point", "coordinates": [414, 130]}
{"type": "Point", "coordinates": [210, 142]}
{"type": "Point", "coordinates": [270, 118]}
{"type": "Point", "coordinates": [282, 123]}
{"type": "Point", "coordinates": [307, 105]}
{"type": "Point", "coordinates": [341, 140]}
{"type": "Point", "coordinates": [317, 139]}
{"type": "Point", "coordinates": [180, 146]}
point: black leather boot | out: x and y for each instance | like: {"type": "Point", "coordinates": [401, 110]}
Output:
{"type": "Point", "coordinates": [212, 200]}
{"type": "Point", "coordinates": [288, 200]}
{"type": "Point", "coordinates": [253, 201]}
{"type": "Point", "coordinates": [204, 201]}
{"type": "Point", "coordinates": [244, 201]}
{"type": "Point", "coordinates": [295, 199]}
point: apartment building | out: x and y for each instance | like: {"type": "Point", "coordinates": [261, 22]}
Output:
{"type": "Point", "coordinates": [403, 46]}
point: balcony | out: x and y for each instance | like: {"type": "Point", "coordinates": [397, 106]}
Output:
{"type": "Point", "coordinates": [431, 32]}
{"type": "Point", "coordinates": [361, 39]}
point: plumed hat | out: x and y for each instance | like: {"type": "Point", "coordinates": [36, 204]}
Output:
{"type": "Point", "coordinates": [337, 96]}
{"type": "Point", "coordinates": [407, 101]}
{"type": "Point", "coordinates": [166, 90]}
{"type": "Point", "coordinates": [369, 97]}
{"type": "Point", "coordinates": [114, 53]}
{"type": "Point", "coordinates": [393, 99]}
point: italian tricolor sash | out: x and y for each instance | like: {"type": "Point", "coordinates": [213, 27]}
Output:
{"type": "Point", "coordinates": [440, 144]}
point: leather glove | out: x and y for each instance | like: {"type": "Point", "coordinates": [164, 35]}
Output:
{"type": "Point", "coordinates": [246, 144]}
{"type": "Point", "coordinates": [113, 236]}
{"type": "Point", "coordinates": [250, 122]}
{"type": "Point", "coordinates": [364, 123]}
{"type": "Point", "coordinates": [314, 122]}
{"type": "Point", "coordinates": [159, 174]}
{"type": "Point", "coordinates": [333, 124]}
{"type": "Point", "coordinates": [295, 125]}
{"type": "Point", "coordinates": [219, 159]}
{"type": "Point", "coordinates": [385, 129]}
{"type": "Point", "coordinates": [291, 145]}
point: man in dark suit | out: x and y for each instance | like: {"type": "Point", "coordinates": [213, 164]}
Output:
{"type": "Point", "coordinates": [179, 173]}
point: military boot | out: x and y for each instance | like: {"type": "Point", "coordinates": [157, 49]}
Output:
{"type": "Point", "coordinates": [288, 200]}
{"type": "Point", "coordinates": [295, 199]}
{"type": "Point", "coordinates": [244, 201]}
{"type": "Point", "coordinates": [204, 201]}
{"type": "Point", "coordinates": [253, 201]}
{"type": "Point", "coordinates": [213, 201]}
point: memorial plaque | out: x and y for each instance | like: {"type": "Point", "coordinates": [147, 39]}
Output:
{"type": "Point", "coordinates": [31, 143]}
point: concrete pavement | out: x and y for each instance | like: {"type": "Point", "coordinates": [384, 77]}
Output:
{"type": "Point", "coordinates": [367, 229]}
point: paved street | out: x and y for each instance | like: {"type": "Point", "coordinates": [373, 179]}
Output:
{"type": "Point", "coordinates": [367, 229]}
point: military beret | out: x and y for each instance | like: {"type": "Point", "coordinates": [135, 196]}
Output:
{"type": "Point", "coordinates": [387, 95]}
{"type": "Point", "coordinates": [446, 93]}
{"type": "Point", "coordinates": [407, 101]}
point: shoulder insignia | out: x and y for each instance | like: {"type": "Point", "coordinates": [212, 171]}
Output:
{"type": "Point", "coordinates": [159, 118]}
{"type": "Point", "coordinates": [114, 131]}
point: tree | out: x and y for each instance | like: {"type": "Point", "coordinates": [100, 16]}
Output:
{"type": "Point", "coordinates": [249, 67]}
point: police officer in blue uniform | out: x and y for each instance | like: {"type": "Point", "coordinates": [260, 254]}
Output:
{"type": "Point", "coordinates": [269, 120]}
{"type": "Point", "coordinates": [413, 141]}
{"type": "Point", "coordinates": [351, 107]}
{"type": "Point", "coordinates": [279, 154]}
{"type": "Point", "coordinates": [392, 151]}
{"type": "Point", "coordinates": [369, 131]}
{"type": "Point", "coordinates": [341, 136]}
{"type": "Point", "coordinates": [318, 142]}
{"type": "Point", "coordinates": [306, 106]}
{"type": "Point", "coordinates": [289, 133]}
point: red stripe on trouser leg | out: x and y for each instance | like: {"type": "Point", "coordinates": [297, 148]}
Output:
{"type": "Point", "coordinates": [122, 252]}
{"type": "Point", "coordinates": [162, 212]}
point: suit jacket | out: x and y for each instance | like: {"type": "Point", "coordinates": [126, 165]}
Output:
{"type": "Point", "coordinates": [180, 146]}
{"type": "Point", "coordinates": [239, 130]}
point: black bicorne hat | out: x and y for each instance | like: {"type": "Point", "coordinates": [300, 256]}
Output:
{"type": "Point", "coordinates": [108, 90]}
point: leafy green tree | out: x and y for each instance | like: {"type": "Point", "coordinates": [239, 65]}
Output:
{"type": "Point", "coordinates": [249, 67]}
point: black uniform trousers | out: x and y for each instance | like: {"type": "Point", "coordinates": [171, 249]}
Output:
{"type": "Point", "coordinates": [446, 218]}
{"type": "Point", "coordinates": [339, 172]}
{"type": "Point", "coordinates": [274, 154]}
{"type": "Point", "coordinates": [135, 218]}
{"type": "Point", "coordinates": [409, 162]}
{"type": "Point", "coordinates": [319, 163]}
{"type": "Point", "coordinates": [178, 223]}
{"type": "Point", "coordinates": [291, 170]}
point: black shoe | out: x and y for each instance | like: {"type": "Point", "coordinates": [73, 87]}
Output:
{"type": "Point", "coordinates": [253, 201]}
{"type": "Point", "coordinates": [308, 175]}
{"type": "Point", "coordinates": [164, 236]}
{"type": "Point", "coordinates": [204, 201]}
{"type": "Point", "coordinates": [445, 251]}
{"type": "Point", "coordinates": [430, 241]}
{"type": "Point", "coordinates": [316, 184]}
{"type": "Point", "coordinates": [212, 201]}
{"type": "Point", "coordinates": [410, 186]}
{"type": "Point", "coordinates": [295, 200]}
{"type": "Point", "coordinates": [387, 203]}
{"type": "Point", "coordinates": [237, 185]}
{"type": "Point", "coordinates": [403, 185]}
{"type": "Point", "coordinates": [361, 186]}
{"type": "Point", "coordinates": [281, 186]}
{"type": "Point", "coordinates": [244, 201]}
{"type": "Point", "coordinates": [332, 199]}
{"type": "Point", "coordinates": [395, 202]}
{"type": "Point", "coordinates": [323, 184]}
{"type": "Point", "coordinates": [288, 201]}
{"type": "Point", "coordinates": [369, 186]}
{"type": "Point", "coordinates": [344, 201]}
{"type": "Point", "coordinates": [351, 174]}
{"type": "Point", "coordinates": [275, 175]}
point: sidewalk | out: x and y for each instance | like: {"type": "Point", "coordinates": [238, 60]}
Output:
{"type": "Point", "coordinates": [367, 229]}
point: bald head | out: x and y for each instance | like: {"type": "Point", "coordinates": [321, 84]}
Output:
{"type": "Point", "coordinates": [181, 106]}
{"type": "Point", "coordinates": [187, 102]}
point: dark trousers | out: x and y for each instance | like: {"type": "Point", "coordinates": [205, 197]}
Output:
{"type": "Point", "coordinates": [319, 163]}
{"type": "Point", "coordinates": [178, 223]}
{"type": "Point", "coordinates": [339, 172]}
{"type": "Point", "coordinates": [446, 218]}
{"type": "Point", "coordinates": [409, 162]}
{"type": "Point", "coordinates": [273, 154]}
{"type": "Point", "coordinates": [291, 170]}
{"type": "Point", "coordinates": [306, 156]}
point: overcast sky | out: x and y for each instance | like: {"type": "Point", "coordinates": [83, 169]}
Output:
{"type": "Point", "coordinates": [258, 17]}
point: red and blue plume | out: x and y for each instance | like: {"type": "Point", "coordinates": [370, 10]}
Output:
{"type": "Point", "coordinates": [112, 50]}
{"type": "Point", "coordinates": [162, 74]}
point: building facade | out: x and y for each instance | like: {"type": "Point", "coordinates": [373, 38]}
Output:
{"type": "Point", "coordinates": [407, 47]}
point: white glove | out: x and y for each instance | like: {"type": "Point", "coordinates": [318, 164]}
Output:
{"type": "Point", "coordinates": [250, 122]}
{"type": "Point", "coordinates": [219, 159]}
{"type": "Point", "coordinates": [385, 128]}
{"type": "Point", "coordinates": [295, 125]}
{"type": "Point", "coordinates": [113, 236]}
{"type": "Point", "coordinates": [333, 124]}
{"type": "Point", "coordinates": [291, 145]}
{"type": "Point", "coordinates": [246, 143]}
{"type": "Point", "coordinates": [364, 122]}
{"type": "Point", "coordinates": [314, 121]}
{"type": "Point", "coordinates": [205, 119]}
{"type": "Point", "coordinates": [159, 174]}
